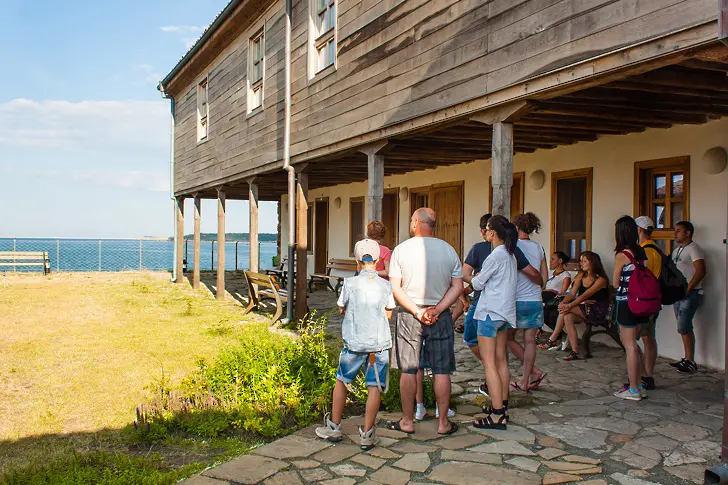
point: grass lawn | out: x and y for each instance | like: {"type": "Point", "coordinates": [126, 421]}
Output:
{"type": "Point", "coordinates": [80, 351]}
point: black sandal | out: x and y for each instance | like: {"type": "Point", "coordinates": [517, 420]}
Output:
{"type": "Point", "coordinates": [453, 429]}
{"type": "Point", "coordinates": [489, 423]}
{"type": "Point", "coordinates": [490, 410]}
{"type": "Point", "coordinates": [572, 356]}
{"type": "Point", "coordinates": [395, 426]}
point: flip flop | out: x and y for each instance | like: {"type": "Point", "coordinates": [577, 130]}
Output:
{"type": "Point", "coordinates": [460, 328]}
{"type": "Point", "coordinates": [394, 426]}
{"type": "Point", "coordinates": [516, 387]}
{"type": "Point", "coordinates": [453, 429]}
{"type": "Point", "coordinates": [534, 384]}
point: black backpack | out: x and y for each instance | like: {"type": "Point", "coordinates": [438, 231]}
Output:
{"type": "Point", "coordinates": [673, 284]}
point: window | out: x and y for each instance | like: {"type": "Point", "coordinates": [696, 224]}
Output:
{"type": "Point", "coordinates": [203, 111]}
{"type": "Point", "coordinates": [256, 70]}
{"type": "Point", "coordinates": [309, 228]}
{"type": "Point", "coordinates": [356, 221]}
{"type": "Point", "coordinates": [662, 192]}
{"type": "Point", "coordinates": [517, 193]}
{"type": "Point", "coordinates": [324, 31]}
{"type": "Point", "coordinates": [571, 213]}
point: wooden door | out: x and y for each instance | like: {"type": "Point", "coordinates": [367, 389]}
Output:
{"type": "Point", "coordinates": [390, 217]}
{"type": "Point", "coordinates": [517, 193]}
{"type": "Point", "coordinates": [321, 243]}
{"type": "Point", "coordinates": [447, 202]}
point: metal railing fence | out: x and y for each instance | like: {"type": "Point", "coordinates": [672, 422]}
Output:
{"type": "Point", "coordinates": [151, 254]}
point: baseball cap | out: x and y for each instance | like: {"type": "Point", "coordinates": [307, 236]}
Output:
{"type": "Point", "coordinates": [645, 222]}
{"type": "Point", "coordinates": [366, 250]}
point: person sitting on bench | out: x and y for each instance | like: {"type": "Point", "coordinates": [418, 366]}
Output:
{"type": "Point", "coordinates": [556, 286]}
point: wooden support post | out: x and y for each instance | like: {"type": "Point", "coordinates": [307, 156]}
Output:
{"type": "Point", "coordinates": [502, 168]}
{"type": "Point", "coordinates": [301, 305]}
{"type": "Point", "coordinates": [180, 238]}
{"type": "Point", "coordinates": [375, 186]}
{"type": "Point", "coordinates": [253, 240]}
{"type": "Point", "coordinates": [196, 244]}
{"type": "Point", "coordinates": [220, 291]}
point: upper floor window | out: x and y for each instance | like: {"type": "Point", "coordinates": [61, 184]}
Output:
{"type": "Point", "coordinates": [203, 111]}
{"type": "Point", "coordinates": [324, 23]}
{"type": "Point", "coordinates": [256, 70]}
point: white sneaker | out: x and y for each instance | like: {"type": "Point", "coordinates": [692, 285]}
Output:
{"type": "Point", "coordinates": [450, 413]}
{"type": "Point", "coordinates": [367, 439]}
{"type": "Point", "coordinates": [330, 431]}
{"type": "Point", "coordinates": [628, 395]}
{"type": "Point", "coordinates": [420, 412]}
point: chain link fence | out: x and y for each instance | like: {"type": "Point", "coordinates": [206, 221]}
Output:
{"type": "Point", "coordinates": [151, 254]}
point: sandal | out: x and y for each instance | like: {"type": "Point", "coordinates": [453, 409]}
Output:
{"type": "Point", "coordinates": [572, 356]}
{"type": "Point", "coordinates": [460, 328]}
{"type": "Point", "coordinates": [490, 410]}
{"type": "Point", "coordinates": [395, 426]}
{"type": "Point", "coordinates": [549, 344]}
{"type": "Point", "coordinates": [489, 423]}
{"type": "Point", "coordinates": [533, 385]}
{"type": "Point", "coordinates": [453, 429]}
{"type": "Point", "coordinates": [516, 387]}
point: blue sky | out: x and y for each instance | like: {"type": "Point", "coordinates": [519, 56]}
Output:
{"type": "Point", "coordinates": [84, 133]}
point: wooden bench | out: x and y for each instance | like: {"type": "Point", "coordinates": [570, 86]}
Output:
{"type": "Point", "coordinates": [343, 265]}
{"type": "Point", "coordinates": [607, 326]}
{"type": "Point", "coordinates": [26, 258]}
{"type": "Point", "coordinates": [264, 287]}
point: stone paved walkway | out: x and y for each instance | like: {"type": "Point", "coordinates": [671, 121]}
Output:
{"type": "Point", "coordinates": [571, 431]}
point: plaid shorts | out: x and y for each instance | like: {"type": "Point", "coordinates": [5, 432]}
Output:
{"type": "Point", "coordinates": [438, 341]}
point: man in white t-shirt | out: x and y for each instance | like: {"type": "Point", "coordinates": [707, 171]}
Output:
{"type": "Point", "coordinates": [427, 279]}
{"type": "Point", "coordinates": [689, 259]}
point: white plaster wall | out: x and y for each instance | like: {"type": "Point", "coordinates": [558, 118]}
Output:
{"type": "Point", "coordinates": [612, 158]}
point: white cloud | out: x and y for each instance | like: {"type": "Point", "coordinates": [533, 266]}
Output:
{"type": "Point", "coordinates": [194, 29]}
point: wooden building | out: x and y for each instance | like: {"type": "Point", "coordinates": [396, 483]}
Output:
{"type": "Point", "coordinates": [578, 110]}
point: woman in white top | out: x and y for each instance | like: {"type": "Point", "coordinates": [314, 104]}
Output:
{"type": "Point", "coordinates": [496, 310]}
{"type": "Point", "coordinates": [559, 277]}
{"type": "Point", "coordinates": [529, 304]}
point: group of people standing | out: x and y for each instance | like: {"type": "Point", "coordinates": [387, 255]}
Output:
{"type": "Point", "coordinates": [508, 279]}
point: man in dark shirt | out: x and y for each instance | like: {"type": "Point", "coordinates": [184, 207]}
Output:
{"type": "Point", "coordinates": [471, 266]}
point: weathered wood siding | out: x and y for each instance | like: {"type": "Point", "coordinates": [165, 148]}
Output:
{"type": "Point", "coordinates": [400, 59]}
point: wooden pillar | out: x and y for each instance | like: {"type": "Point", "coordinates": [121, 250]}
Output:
{"type": "Point", "coordinates": [180, 238]}
{"type": "Point", "coordinates": [502, 168]}
{"type": "Point", "coordinates": [196, 243]}
{"type": "Point", "coordinates": [220, 291]}
{"type": "Point", "coordinates": [253, 240]}
{"type": "Point", "coordinates": [375, 186]}
{"type": "Point", "coordinates": [301, 305]}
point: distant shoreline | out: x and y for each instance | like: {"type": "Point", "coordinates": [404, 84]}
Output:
{"type": "Point", "coordinates": [233, 236]}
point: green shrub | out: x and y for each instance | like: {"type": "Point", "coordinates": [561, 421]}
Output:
{"type": "Point", "coordinates": [391, 400]}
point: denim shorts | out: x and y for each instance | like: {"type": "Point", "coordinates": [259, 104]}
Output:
{"type": "Point", "coordinates": [490, 327]}
{"type": "Point", "coordinates": [350, 364]}
{"type": "Point", "coordinates": [685, 311]}
{"type": "Point", "coordinates": [529, 314]}
{"type": "Point", "coordinates": [470, 332]}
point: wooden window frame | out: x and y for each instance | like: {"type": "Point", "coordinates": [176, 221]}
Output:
{"type": "Point", "coordinates": [311, 221]}
{"type": "Point", "coordinates": [352, 201]}
{"type": "Point", "coordinates": [320, 40]}
{"type": "Point", "coordinates": [414, 192]}
{"type": "Point", "coordinates": [203, 110]}
{"type": "Point", "coordinates": [518, 178]}
{"type": "Point", "coordinates": [573, 174]}
{"type": "Point", "coordinates": [256, 85]}
{"type": "Point", "coordinates": [642, 203]}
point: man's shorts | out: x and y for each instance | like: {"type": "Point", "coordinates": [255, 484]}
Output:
{"type": "Point", "coordinates": [470, 332]}
{"type": "Point", "coordinates": [648, 329]}
{"type": "Point", "coordinates": [685, 311]}
{"type": "Point", "coordinates": [438, 340]}
{"type": "Point", "coordinates": [350, 364]}
{"type": "Point", "coordinates": [490, 328]}
{"type": "Point", "coordinates": [529, 314]}
{"type": "Point", "coordinates": [625, 317]}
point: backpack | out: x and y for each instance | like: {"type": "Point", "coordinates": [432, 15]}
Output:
{"type": "Point", "coordinates": [643, 291]}
{"type": "Point", "coordinates": [673, 285]}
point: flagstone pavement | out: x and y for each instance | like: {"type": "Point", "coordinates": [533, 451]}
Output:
{"type": "Point", "coordinates": [572, 430]}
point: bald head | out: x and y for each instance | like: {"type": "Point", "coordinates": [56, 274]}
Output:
{"type": "Point", "coordinates": [422, 222]}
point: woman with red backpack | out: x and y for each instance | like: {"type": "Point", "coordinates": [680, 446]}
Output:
{"type": "Point", "coordinates": [638, 297]}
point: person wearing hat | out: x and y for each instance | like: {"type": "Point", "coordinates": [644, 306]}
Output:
{"type": "Point", "coordinates": [645, 226]}
{"type": "Point", "coordinates": [366, 301]}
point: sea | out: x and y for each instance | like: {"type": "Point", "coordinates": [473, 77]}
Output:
{"type": "Point", "coordinates": [153, 254]}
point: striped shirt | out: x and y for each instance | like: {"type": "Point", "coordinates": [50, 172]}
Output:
{"type": "Point", "coordinates": [624, 277]}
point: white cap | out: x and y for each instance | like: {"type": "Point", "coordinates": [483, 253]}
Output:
{"type": "Point", "coordinates": [645, 223]}
{"type": "Point", "coordinates": [366, 247]}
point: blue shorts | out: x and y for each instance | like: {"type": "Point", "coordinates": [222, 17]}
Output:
{"type": "Point", "coordinates": [470, 332]}
{"type": "Point", "coordinates": [685, 311]}
{"type": "Point", "coordinates": [529, 314]}
{"type": "Point", "coordinates": [490, 328]}
{"type": "Point", "coordinates": [350, 363]}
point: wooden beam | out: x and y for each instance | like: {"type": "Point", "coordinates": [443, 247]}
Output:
{"type": "Point", "coordinates": [630, 85]}
{"type": "Point", "coordinates": [301, 304]}
{"type": "Point", "coordinates": [375, 187]}
{"type": "Point", "coordinates": [634, 115]}
{"type": "Point", "coordinates": [253, 238]}
{"type": "Point", "coordinates": [502, 168]}
{"type": "Point", "coordinates": [685, 78]}
{"type": "Point", "coordinates": [220, 290]}
{"type": "Point", "coordinates": [196, 244]}
{"type": "Point", "coordinates": [180, 238]}
{"type": "Point", "coordinates": [664, 107]}
{"type": "Point", "coordinates": [508, 112]}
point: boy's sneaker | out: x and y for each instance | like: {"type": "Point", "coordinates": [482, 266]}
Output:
{"type": "Point", "coordinates": [450, 412]}
{"type": "Point", "coordinates": [687, 367]}
{"type": "Point", "coordinates": [420, 412]}
{"type": "Point", "coordinates": [367, 439]}
{"type": "Point", "coordinates": [331, 431]}
{"type": "Point", "coordinates": [677, 364]}
{"type": "Point", "coordinates": [628, 394]}
{"type": "Point", "coordinates": [483, 389]}
{"type": "Point", "coordinates": [649, 383]}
